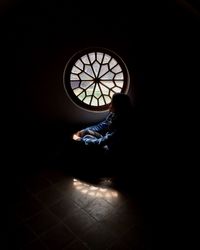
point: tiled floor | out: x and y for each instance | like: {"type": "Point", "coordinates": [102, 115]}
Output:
{"type": "Point", "coordinates": [52, 210]}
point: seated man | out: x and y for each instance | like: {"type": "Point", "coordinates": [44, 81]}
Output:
{"type": "Point", "coordinates": [110, 134]}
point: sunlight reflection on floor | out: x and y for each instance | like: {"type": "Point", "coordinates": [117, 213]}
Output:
{"type": "Point", "coordinates": [95, 191]}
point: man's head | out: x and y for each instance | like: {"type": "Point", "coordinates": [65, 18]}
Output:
{"type": "Point", "coordinates": [120, 103]}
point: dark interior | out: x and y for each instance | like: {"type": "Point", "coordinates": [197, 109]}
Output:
{"type": "Point", "coordinates": [158, 42]}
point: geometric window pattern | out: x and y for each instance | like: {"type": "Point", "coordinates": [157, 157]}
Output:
{"type": "Point", "coordinates": [94, 77]}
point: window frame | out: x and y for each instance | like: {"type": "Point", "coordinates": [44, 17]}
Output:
{"type": "Point", "coordinates": [67, 73]}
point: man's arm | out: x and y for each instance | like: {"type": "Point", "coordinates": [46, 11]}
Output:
{"type": "Point", "coordinates": [101, 127]}
{"type": "Point", "coordinates": [102, 141]}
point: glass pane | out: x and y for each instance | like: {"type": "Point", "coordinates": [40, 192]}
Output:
{"type": "Point", "coordinates": [109, 84]}
{"type": "Point", "coordinates": [99, 56]}
{"type": "Point", "coordinates": [119, 83]}
{"type": "Point", "coordinates": [119, 76]}
{"type": "Point", "coordinates": [94, 102]}
{"type": "Point", "coordinates": [92, 57]}
{"type": "Point", "coordinates": [104, 90]}
{"type": "Point", "coordinates": [85, 84]}
{"type": "Point", "coordinates": [97, 91]}
{"type": "Point", "coordinates": [108, 76]}
{"type": "Point", "coordinates": [101, 101]}
{"type": "Point", "coordinates": [87, 100]}
{"type": "Point", "coordinates": [117, 69]}
{"type": "Point", "coordinates": [81, 96]}
{"type": "Point", "coordinates": [111, 93]}
{"type": "Point", "coordinates": [75, 70]}
{"type": "Point", "coordinates": [95, 77]}
{"type": "Point", "coordinates": [79, 64]}
{"type": "Point", "coordinates": [74, 84]}
{"type": "Point", "coordinates": [106, 58]}
{"type": "Point", "coordinates": [108, 99]}
{"type": "Point", "coordinates": [88, 70]}
{"type": "Point", "coordinates": [112, 63]}
{"type": "Point", "coordinates": [84, 76]}
{"type": "Point", "coordinates": [103, 70]}
{"type": "Point", "coordinates": [116, 90]}
{"type": "Point", "coordinates": [85, 59]}
{"type": "Point", "coordinates": [96, 67]}
{"type": "Point", "coordinates": [77, 91]}
{"type": "Point", "coordinates": [74, 77]}
{"type": "Point", "coordinates": [89, 91]}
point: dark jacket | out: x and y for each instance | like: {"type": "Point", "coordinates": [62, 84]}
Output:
{"type": "Point", "coordinates": [109, 134]}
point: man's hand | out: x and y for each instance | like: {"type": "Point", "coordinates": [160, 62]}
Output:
{"type": "Point", "coordinates": [76, 138]}
{"type": "Point", "coordinates": [80, 133]}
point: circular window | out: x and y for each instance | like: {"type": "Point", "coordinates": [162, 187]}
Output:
{"type": "Point", "coordinates": [92, 76]}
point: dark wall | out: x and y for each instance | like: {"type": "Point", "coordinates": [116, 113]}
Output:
{"type": "Point", "coordinates": [43, 35]}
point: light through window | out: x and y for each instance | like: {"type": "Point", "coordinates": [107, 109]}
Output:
{"type": "Point", "coordinates": [92, 76]}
